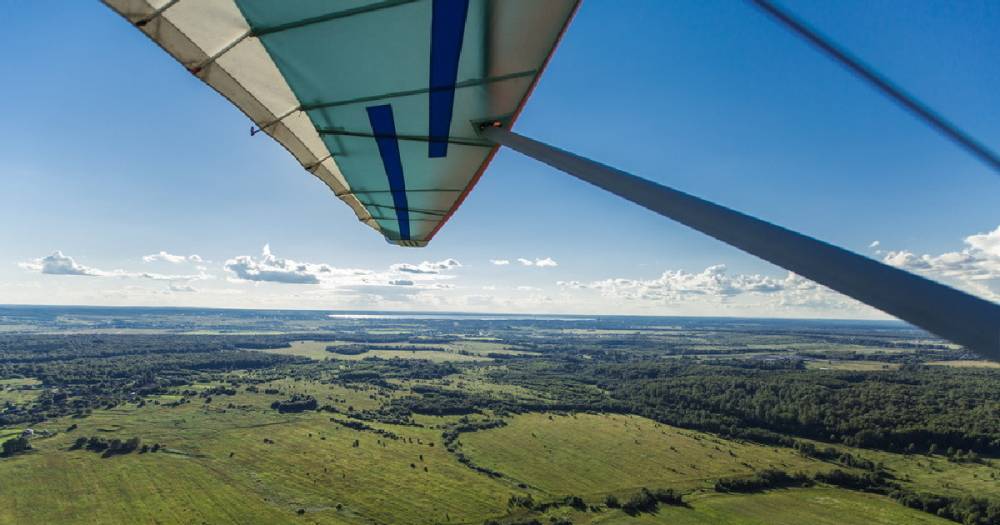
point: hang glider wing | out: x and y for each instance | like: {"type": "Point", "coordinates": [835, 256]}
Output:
{"type": "Point", "coordinates": [375, 98]}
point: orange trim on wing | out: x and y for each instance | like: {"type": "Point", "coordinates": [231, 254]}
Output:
{"type": "Point", "coordinates": [517, 112]}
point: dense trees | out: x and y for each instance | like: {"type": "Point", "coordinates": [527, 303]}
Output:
{"type": "Point", "coordinates": [886, 410]}
{"type": "Point", "coordinates": [763, 480]}
{"type": "Point", "coordinates": [85, 372]}
{"type": "Point", "coordinates": [297, 403]}
{"type": "Point", "coordinates": [649, 500]}
{"type": "Point", "coordinates": [14, 446]}
{"type": "Point", "coordinates": [110, 447]}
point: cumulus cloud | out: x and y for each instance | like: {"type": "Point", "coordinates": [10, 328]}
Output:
{"type": "Point", "coordinates": [171, 258]}
{"type": "Point", "coordinates": [499, 262]}
{"type": "Point", "coordinates": [716, 286]}
{"type": "Point", "coordinates": [547, 262]}
{"type": "Point", "coordinates": [674, 285]}
{"type": "Point", "coordinates": [427, 267]}
{"type": "Point", "coordinates": [170, 277]}
{"type": "Point", "coordinates": [874, 244]}
{"type": "Point", "coordinates": [975, 268]}
{"type": "Point", "coordinates": [399, 282]}
{"type": "Point", "coordinates": [270, 268]}
{"type": "Point", "coordinates": [60, 264]}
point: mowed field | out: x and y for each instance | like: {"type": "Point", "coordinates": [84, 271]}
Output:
{"type": "Point", "coordinates": [592, 455]}
{"type": "Point", "coordinates": [812, 506]}
{"type": "Point", "coordinates": [973, 363]}
{"type": "Point", "coordinates": [317, 350]}
{"type": "Point", "coordinates": [219, 469]}
{"type": "Point", "coordinates": [236, 460]}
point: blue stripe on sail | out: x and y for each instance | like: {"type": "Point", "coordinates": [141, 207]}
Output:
{"type": "Point", "coordinates": [447, 30]}
{"type": "Point", "coordinates": [384, 129]}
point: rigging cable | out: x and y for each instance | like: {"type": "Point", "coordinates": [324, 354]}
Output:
{"type": "Point", "coordinates": [882, 83]}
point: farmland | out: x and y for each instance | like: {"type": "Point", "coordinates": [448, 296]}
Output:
{"type": "Point", "coordinates": [195, 417]}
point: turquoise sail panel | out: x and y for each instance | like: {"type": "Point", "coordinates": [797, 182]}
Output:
{"type": "Point", "coordinates": [379, 99]}
{"type": "Point", "coordinates": [434, 66]}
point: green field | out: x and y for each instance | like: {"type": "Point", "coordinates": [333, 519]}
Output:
{"type": "Point", "coordinates": [863, 366]}
{"type": "Point", "coordinates": [19, 391]}
{"type": "Point", "coordinates": [592, 455]}
{"type": "Point", "coordinates": [317, 350]}
{"type": "Point", "coordinates": [499, 421]}
{"type": "Point", "coordinates": [975, 363]}
{"type": "Point", "coordinates": [815, 506]}
{"type": "Point", "coordinates": [218, 469]}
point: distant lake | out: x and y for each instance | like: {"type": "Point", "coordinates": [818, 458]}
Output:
{"type": "Point", "coordinates": [461, 317]}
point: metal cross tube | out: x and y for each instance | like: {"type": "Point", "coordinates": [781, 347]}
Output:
{"type": "Point", "coordinates": [954, 315]}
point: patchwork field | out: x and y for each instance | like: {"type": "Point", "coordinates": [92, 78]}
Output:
{"type": "Point", "coordinates": [176, 416]}
{"type": "Point", "coordinates": [317, 350]}
{"type": "Point", "coordinates": [814, 506]}
{"type": "Point", "coordinates": [971, 363]}
{"type": "Point", "coordinates": [591, 455]}
{"type": "Point", "coordinates": [247, 465]}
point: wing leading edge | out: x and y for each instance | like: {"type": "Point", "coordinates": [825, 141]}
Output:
{"type": "Point", "coordinates": [375, 98]}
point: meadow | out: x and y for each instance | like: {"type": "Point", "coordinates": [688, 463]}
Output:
{"type": "Point", "coordinates": [498, 422]}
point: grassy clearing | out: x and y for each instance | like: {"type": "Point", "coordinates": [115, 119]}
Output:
{"type": "Point", "coordinates": [21, 381]}
{"type": "Point", "coordinates": [220, 470]}
{"type": "Point", "coordinates": [437, 357]}
{"type": "Point", "coordinates": [966, 364]}
{"type": "Point", "coordinates": [935, 473]}
{"type": "Point", "coordinates": [19, 391]}
{"type": "Point", "coordinates": [235, 460]}
{"type": "Point", "coordinates": [815, 506]}
{"type": "Point", "coordinates": [311, 349]}
{"type": "Point", "coordinates": [317, 350]}
{"type": "Point", "coordinates": [8, 433]}
{"type": "Point", "coordinates": [862, 366]}
{"type": "Point", "coordinates": [592, 455]}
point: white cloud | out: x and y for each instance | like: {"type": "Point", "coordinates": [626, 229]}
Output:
{"type": "Point", "coordinates": [59, 264]}
{"type": "Point", "coordinates": [986, 243]}
{"type": "Point", "coordinates": [500, 262]}
{"type": "Point", "coordinates": [400, 283]}
{"type": "Point", "coordinates": [269, 268]}
{"type": "Point", "coordinates": [171, 258]}
{"type": "Point", "coordinates": [547, 262]}
{"type": "Point", "coordinates": [975, 268]}
{"type": "Point", "coordinates": [874, 244]}
{"type": "Point", "coordinates": [182, 288]}
{"type": "Point", "coordinates": [427, 267]}
{"type": "Point", "coordinates": [170, 277]}
{"type": "Point", "coordinates": [714, 285]}
{"type": "Point", "coordinates": [674, 285]}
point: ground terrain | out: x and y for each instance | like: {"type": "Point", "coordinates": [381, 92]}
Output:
{"type": "Point", "coordinates": [469, 420]}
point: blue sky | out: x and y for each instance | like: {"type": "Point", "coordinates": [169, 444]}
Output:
{"type": "Point", "coordinates": [112, 152]}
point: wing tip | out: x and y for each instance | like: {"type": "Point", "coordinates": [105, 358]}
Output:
{"type": "Point", "coordinates": [408, 243]}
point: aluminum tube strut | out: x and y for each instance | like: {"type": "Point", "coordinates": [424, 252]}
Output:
{"type": "Point", "coordinates": [957, 316]}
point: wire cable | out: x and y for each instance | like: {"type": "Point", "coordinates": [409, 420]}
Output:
{"type": "Point", "coordinates": [882, 83]}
